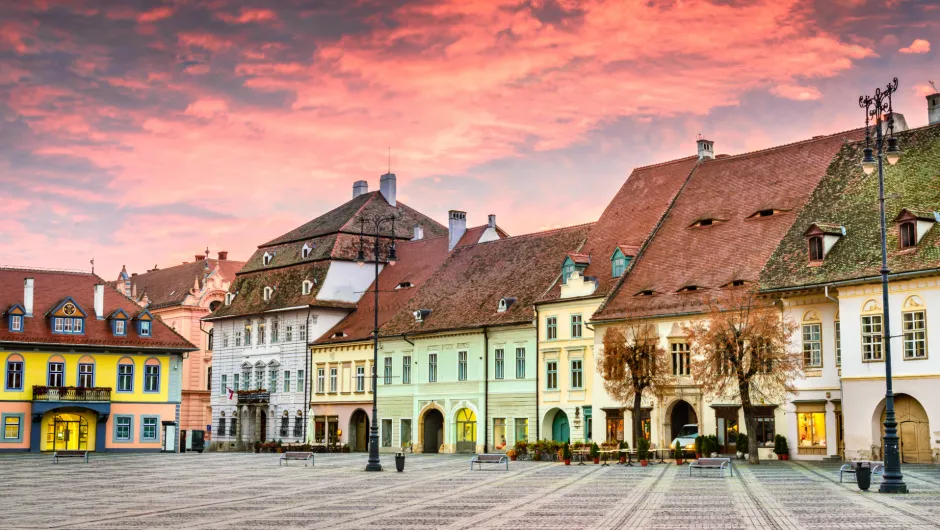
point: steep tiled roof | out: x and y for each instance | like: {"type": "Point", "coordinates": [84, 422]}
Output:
{"type": "Point", "coordinates": [465, 291]}
{"type": "Point", "coordinates": [472, 235]}
{"type": "Point", "coordinates": [849, 198]}
{"type": "Point", "coordinates": [398, 285]}
{"type": "Point", "coordinates": [170, 286]}
{"type": "Point", "coordinates": [52, 287]}
{"type": "Point", "coordinates": [730, 188]}
{"type": "Point", "coordinates": [631, 217]}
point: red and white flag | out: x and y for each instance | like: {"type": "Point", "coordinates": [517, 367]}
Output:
{"type": "Point", "coordinates": [230, 392]}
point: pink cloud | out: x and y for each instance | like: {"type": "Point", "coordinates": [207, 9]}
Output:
{"type": "Point", "coordinates": [247, 15]}
{"type": "Point", "coordinates": [796, 92]}
{"type": "Point", "coordinates": [918, 46]}
{"type": "Point", "coordinates": [156, 14]}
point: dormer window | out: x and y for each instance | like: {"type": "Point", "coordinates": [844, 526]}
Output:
{"type": "Point", "coordinates": [736, 283]}
{"type": "Point", "coordinates": [913, 225]}
{"type": "Point", "coordinates": [768, 212]}
{"type": "Point", "coordinates": [707, 221]}
{"type": "Point", "coordinates": [305, 251]}
{"type": "Point", "coordinates": [119, 327]}
{"type": "Point", "coordinates": [119, 322]}
{"type": "Point", "coordinates": [266, 259]}
{"type": "Point", "coordinates": [16, 323]}
{"type": "Point", "coordinates": [689, 289]}
{"type": "Point", "coordinates": [505, 304]}
{"type": "Point", "coordinates": [68, 318]}
{"type": "Point", "coordinates": [816, 248]}
{"type": "Point", "coordinates": [421, 314]}
{"type": "Point", "coordinates": [908, 232]}
{"type": "Point", "coordinates": [306, 287]}
{"type": "Point", "coordinates": [647, 292]}
{"type": "Point", "coordinates": [228, 298]}
{"type": "Point", "coordinates": [144, 329]}
{"type": "Point", "coordinates": [338, 335]}
{"type": "Point", "coordinates": [144, 324]}
{"type": "Point", "coordinates": [404, 285]}
{"type": "Point", "coordinates": [268, 292]}
{"type": "Point", "coordinates": [619, 261]}
{"type": "Point", "coordinates": [574, 262]}
{"type": "Point", "coordinates": [566, 271]}
{"type": "Point", "coordinates": [820, 238]}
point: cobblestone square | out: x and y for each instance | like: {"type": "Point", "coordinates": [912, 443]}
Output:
{"type": "Point", "coordinates": [225, 490]}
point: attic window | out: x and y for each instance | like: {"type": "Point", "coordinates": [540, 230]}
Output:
{"type": "Point", "coordinates": [338, 335]}
{"type": "Point", "coordinates": [647, 292]}
{"type": "Point", "coordinates": [908, 231]}
{"type": "Point", "coordinates": [688, 289]}
{"type": "Point", "coordinates": [770, 212]}
{"type": "Point", "coordinates": [228, 298]}
{"type": "Point", "coordinates": [266, 259]}
{"type": "Point", "coordinates": [821, 238]}
{"type": "Point", "coordinates": [267, 293]}
{"type": "Point", "coordinates": [504, 304]}
{"type": "Point", "coordinates": [816, 248]}
{"type": "Point", "coordinates": [404, 285]}
{"type": "Point", "coordinates": [306, 287]}
{"type": "Point", "coordinates": [305, 252]}
{"type": "Point", "coordinates": [736, 283]}
{"type": "Point", "coordinates": [704, 222]}
{"type": "Point", "coordinates": [421, 314]}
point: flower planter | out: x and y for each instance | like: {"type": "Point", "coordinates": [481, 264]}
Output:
{"type": "Point", "coordinates": [597, 460]}
{"type": "Point", "coordinates": [783, 456]}
{"type": "Point", "coordinates": [678, 461]}
{"type": "Point", "coordinates": [644, 463]}
{"type": "Point", "coordinates": [698, 455]}
{"type": "Point", "coordinates": [513, 458]}
{"type": "Point", "coordinates": [623, 459]}
{"type": "Point", "coordinates": [567, 461]}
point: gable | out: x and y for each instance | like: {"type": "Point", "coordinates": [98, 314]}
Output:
{"type": "Point", "coordinates": [67, 308]}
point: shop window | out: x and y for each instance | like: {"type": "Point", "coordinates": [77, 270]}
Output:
{"type": "Point", "coordinates": [766, 427]}
{"type": "Point", "coordinates": [386, 433]}
{"type": "Point", "coordinates": [405, 433]}
{"type": "Point", "coordinates": [522, 429]}
{"type": "Point", "coordinates": [319, 430]}
{"type": "Point", "coordinates": [615, 425]}
{"type": "Point", "coordinates": [499, 433]}
{"type": "Point", "coordinates": [811, 429]}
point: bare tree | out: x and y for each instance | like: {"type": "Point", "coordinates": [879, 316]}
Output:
{"type": "Point", "coordinates": [632, 363]}
{"type": "Point", "coordinates": [742, 350]}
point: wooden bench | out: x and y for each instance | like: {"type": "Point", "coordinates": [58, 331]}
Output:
{"type": "Point", "coordinates": [287, 457]}
{"type": "Point", "coordinates": [479, 460]}
{"type": "Point", "coordinates": [713, 463]}
{"type": "Point", "coordinates": [877, 468]}
{"type": "Point", "coordinates": [69, 454]}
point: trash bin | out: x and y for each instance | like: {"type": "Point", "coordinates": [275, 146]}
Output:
{"type": "Point", "coordinates": [400, 461]}
{"type": "Point", "coordinates": [863, 475]}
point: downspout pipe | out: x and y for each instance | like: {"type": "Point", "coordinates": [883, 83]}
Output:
{"type": "Point", "coordinates": [486, 389]}
{"type": "Point", "coordinates": [538, 336]}
{"type": "Point", "coordinates": [308, 353]}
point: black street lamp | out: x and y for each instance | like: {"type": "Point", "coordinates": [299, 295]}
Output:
{"type": "Point", "coordinates": [878, 108]}
{"type": "Point", "coordinates": [374, 463]}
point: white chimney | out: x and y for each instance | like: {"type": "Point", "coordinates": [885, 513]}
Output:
{"type": "Point", "coordinates": [900, 124]}
{"type": "Point", "coordinates": [28, 296]}
{"type": "Point", "coordinates": [387, 187]}
{"type": "Point", "coordinates": [99, 301]}
{"type": "Point", "coordinates": [360, 187]}
{"type": "Point", "coordinates": [419, 233]}
{"type": "Point", "coordinates": [492, 221]}
{"type": "Point", "coordinates": [706, 148]}
{"type": "Point", "coordinates": [456, 227]}
{"type": "Point", "coordinates": [933, 108]}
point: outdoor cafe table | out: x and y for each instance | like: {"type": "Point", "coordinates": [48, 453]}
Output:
{"type": "Point", "coordinates": [662, 452]}
{"type": "Point", "coordinates": [630, 453]}
{"type": "Point", "coordinates": [581, 454]}
{"type": "Point", "coordinates": [607, 453]}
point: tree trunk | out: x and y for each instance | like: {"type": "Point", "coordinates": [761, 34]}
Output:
{"type": "Point", "coordinates": [637, 424]}
{"type": "Point", "coordinates": [750, 421]}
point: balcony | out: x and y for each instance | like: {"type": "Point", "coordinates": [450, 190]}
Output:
{"type": "Point", "coordinates": [72, 393]}
{"type": "Point", "coordinates": [253, 397]}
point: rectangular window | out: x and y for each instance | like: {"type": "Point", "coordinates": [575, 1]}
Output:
{"type": "Point", "coordinates": [386, 433]}
{"type": "Point", "coordinates": [388, 371]}
{"type": "Point", "coordinates": [520, 363]}
{"type": "Point", "coordinates": [261, 334]}
{"type": "Point", "coordinates": [551, 328]}
{"type": "Point", "coordinates": [360, 379]}
{"type": "Point", "coordinates": [118, 327]}
{"type": "Point", "coordinates": [235, 381]}
{"type": "Point", "coordinates": [148, 431]}
{"type": "Point", "coordinates": [56, 374]}
{"type": "Point", "coordinates": [68, 325]}
{"type": "Point", "coordinates": [812, 345]}
{"type": "Point", "coordinates": [617, 267]}
{"type": "Point", "coordinates": [576, 326]}
{"type": "Point", "coordinates": [766, 428]}
{"type": "Point", "coordinates": [122, 428]}
{"type": "Point", "coordinates": [298, 426]}
{"type": "Point", "coordinates": [499, 433]}
{"type": "Point", "coordinates": [405, 433]}
{"type": "Point", "coordinates": [286, 380]}
{"type": "Point", "coordinates": [224, 384]}
{"type": "Point", "coordinates": [221, 426]}
{"type": "Point", "coordinates": [11, 427]}
{"type": "Point", "coordinates": [461, 366]}
{"type": "Point", "coordinates": [16, 323]}
{"type": "Point", "coordinates": [522, 429]}
{"type": "Point", "coordinates": [577, 373]}
{"type": "Point", "coordinates": [259, 378]}
{"type": "Point", "coordinates": [275, 331]}
{"type": "Point", "coordinates": [14, 375]}
{"type": "Point", "coordinates": [152, 378]}
{"type": "Point", "coordinates": [86, 375]}
{"type": "Point", "coordinates": [289, 333]}
{"type": "Point", "coordinates": [301, 384]}
{"type": "Point", "coordinates": [811, 429]}
{"type": "Point", "coordinates": [58, 325]}
{"type": "Point", "coordinates": [432, 367]}
{"type": "Point", "coordinates": [500, 363]}
{"type": "Point", "coordinates": [914, 325]}
{"type": "Point", "coordinates": [871, 338]}
{"type": "Point", "coordinates": [225, 340]}
{"type": "Point", "coordinates": [233, 426]}
{"type": "Point", "coordinates": [681, 359]}
{"type": "Point", "coordinates": [321, 380]}
{"type": "Point", "coordinates": [838, 331]}
{"type": "Point", "coordinates": [285, 425]}
{"type": "Point", "coordinates": [272, 378]}
{"type": "Point", "coordinates": [551, 375]}
{"type": "Point", "coordinates": [303, 332]}
{"type": "Point", "coordinates": [333, 380]}
{"type": "Point", "coordinates": [77, 325]}
{"type": "Point", "coordinates": [247, 335]}
{"type": "Point", "coordinates": [406, 370]}
{"type": "Point", "coordinates": [145, 329]}
{"type": "Point", "coordinates": [238, 338]}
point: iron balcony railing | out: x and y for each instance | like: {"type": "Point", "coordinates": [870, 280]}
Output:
{"type": "Point", "coordinates": [71, 393]}
{"type": "Point", "coordinates": [253, 396]}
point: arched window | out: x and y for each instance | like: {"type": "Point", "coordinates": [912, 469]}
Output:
{"type": "Point", "coordinates": [211, 339]}
{"type": "Point", "coordinates": [15, 366]}
{"type": "Point", "coordinates": [86, 372]}
{"type": "Point", "coordinates": [812, 340]}
{"type": "Point", "coordinates": [125, 375]}
{"type": "Point", "coordinates": [152, 375]}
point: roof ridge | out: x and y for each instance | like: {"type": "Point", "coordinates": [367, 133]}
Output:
{"type": "Point", "coordinates": [790, 144]}
{"type": "Point", "coordinates": [539, 233]}
{"type": "Point", "coordinates": [362, 207]}
{"type": "Point", "coordinates": [666, 163]}
{"type": "Point", "coordinates": [45, 269]}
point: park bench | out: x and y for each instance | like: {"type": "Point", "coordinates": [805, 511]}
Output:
{"type": "Point", "coordinates": [287, 457]}
{"type": "Point", "coordinates": [877, 468]}
{"type": "Point", "coordinates": [479, 460]}
{"type": "Point", "coordinates": [713, 463]}
{"type": "Point", "coordinates": [69, 454]}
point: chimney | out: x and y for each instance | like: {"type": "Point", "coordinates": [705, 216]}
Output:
{"type": "Point", "coordinates": [456, 226]}
{"type": "Point", "coordinates": [28, 296]}
{"type": "Point", "coordinates": [360, 187]}
{"type": "Point", "coordinates": [223, 255]}
{"type": "Point", "coordinates": [419, 233]}
{"type": "Point", "coordinates": [200, 257]}
{"type": "Point", "coordinates": [933, 108]}
{"type": "Point", "coordinates": [492, 221]}
{"type": "Point", "coordinates": [387, 187]}
{"type": "Point", "coordinates": [99, 301]}
{"type": "Point", "coordinates": [900, 124]}
{"type": "Point", "coordinates": [706, 148]}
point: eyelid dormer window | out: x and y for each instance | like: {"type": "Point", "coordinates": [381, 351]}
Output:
{"type": "Point", "coordinates": [706, 221]}
{"type": "Point", "coordinates": [767, 212]}
{"type": "Point", "coordinates": [689, 289]}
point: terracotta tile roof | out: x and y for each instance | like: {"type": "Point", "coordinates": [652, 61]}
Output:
{"type": "Point", "coordinates": [847, 197]}
{"type": "Point", "coordinates": [398, 285]}
{"type": "Point", "coordinates": [630, 218]}
{"type": "Point", "coordinates": [170, 286]}
{"type": "Point", "coordinates": [52, 287]}
{"type": "Point", "coordinates": [472, 235]}
{"type": "Point", "coordinates": [580, 259]}
{"type": "Point", "coordinates": [465, 291]}
{"type": "Point", "coordinates": [709, 257]}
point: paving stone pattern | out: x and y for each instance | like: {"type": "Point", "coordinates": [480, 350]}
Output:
{"type": "Point", "coordinates": [246, 491]}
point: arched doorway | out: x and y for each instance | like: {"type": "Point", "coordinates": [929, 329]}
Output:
{"type": "Point", "coordinates": [72, 432]}
{"type": "Point", "coordinates": [913, 429]}
{"type": "Point", "coordinates": [433, 428]}
{"type": "Point", "coordinates": [466, 431]}
{"type": "Point", "coordinates": [359, 431]}
{"type": "Point", "coordinates": [682, 414]}
{"type": "Point", "coordinates": [560, 430]}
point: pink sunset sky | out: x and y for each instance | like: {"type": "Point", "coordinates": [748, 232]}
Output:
{"type": "Point", "coordinates": [141, 132]}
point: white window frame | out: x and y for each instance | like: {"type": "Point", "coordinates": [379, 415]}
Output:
{"type": "Point", "coordinates": [387, 375]}
{"type": "Point", "coordinates": [872, 343]}
{"type": "Point", "coordinates": [577, 374]}
{"type": "Point", "coordinates": [432, 367]}
{"type": "Point", "coordinates": [334, 376]}
{"type": "Point", "coordinates": [500, 364]}
{"type": "Point", "coordinates": [406, 370]}
{"type": "Point", "coordinates": [914, 335]}
{"type": "Point", "coordinates": [462, 365]}
{"type": "Point", "coordinates": [520, 362]}
{"type": "Point", "coordinates": [321, 380]}
{"type": "Point", "coordinates": [360, 378]}
{"type": "Point", "coordinates": [811, 334]}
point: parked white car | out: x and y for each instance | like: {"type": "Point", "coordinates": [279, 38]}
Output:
{"type": "Point", "coordinates": [686, 438]}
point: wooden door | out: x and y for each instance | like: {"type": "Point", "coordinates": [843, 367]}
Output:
{"type": "Point", "coordinates": [913, 430]}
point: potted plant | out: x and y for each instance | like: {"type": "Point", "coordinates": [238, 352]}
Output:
{"type": "Point", "coordinates": [713, 446]}
{"type": "Point", "coordinates": [623, 446]}
{"type": "Point", "coordinates": [257, 446]}
{"type": "Point", "coordinates": [512, 455]}
{"type": "Point", "coordinates": [642, 451]}
{"type": "Point", "coordinates": [781, 448]}
{"type": "Point", "coordinates": [699, 440]}
{"type": "Point", "coordinates": [400, 462]}
{"type": "Point", "coordinates": [566, 454]}
{"type": "Point", "coordinates": [678, 454]}
{"type": "Point", "coordinates": [522, 448]}
{"type": "Point", "coordinates": [345, 448]}
{"type": "Point", "coordinates": [279, 447]}
{"type": "Point", "coordinates": [595, 453]}
{"type": "Point", "coordinates": [741, 444]}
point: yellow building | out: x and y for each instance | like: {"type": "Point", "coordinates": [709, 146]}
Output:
{"type": "Point", "coordinates": [84, 368]}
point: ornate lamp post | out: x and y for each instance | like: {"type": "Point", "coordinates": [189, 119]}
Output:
{"type": "Point", "coordinates": [878, 108]}
{"type": "Point", "coordinates": [374, 463]}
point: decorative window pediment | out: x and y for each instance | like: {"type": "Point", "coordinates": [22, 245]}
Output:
{"type": "Point", "coordinates": [913, 302]}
